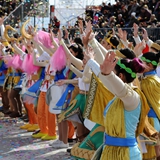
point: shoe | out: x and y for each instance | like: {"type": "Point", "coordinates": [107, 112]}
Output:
{"type": "Point", "coordinates": [52, 143]}
{"type": "Point", "coordinates": [24, 117]}
{"type": "Point", "coordinates": [26, 126]}
{"type": "Point", "coordinates": [15, 115]}
{"type": "Point", "coordinates": [39, 135]}
{"type": "Point", "coordinates": [69, 150]}
{"type": "Point", "coordinates": [61, 145]}
{"type": "Point", "coordinates": [47, 137]}
{"type": "Point", "coordinates": [71, 140]}
{"type": "Point", "coordinates": [33, 128]}
{"type": "Point", "coordinates": [36, 132]}
{"type": "Point", "coordinates": [26, 120]}
{"type": "Point", "coordinates": [7, 112]}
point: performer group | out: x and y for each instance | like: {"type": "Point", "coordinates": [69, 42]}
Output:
{"type": "Point", "coordinates": [105, 94]}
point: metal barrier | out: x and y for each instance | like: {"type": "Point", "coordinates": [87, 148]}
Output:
{"type": "Point", "coordinates": [153, 33]}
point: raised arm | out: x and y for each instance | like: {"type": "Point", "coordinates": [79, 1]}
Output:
{"type": "Point", "coordinates": [18, 50]}
{"type": "Point", "coordinates": [76, 71]}
{"type": "Point", "coordinates": [75, 61]}
{"type": "Point", "coordinates": [87, 74]}
{"type": "Point", "coordinates": [129, 97]}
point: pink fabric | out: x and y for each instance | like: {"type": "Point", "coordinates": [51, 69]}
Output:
{"type": "Point", "coordinates": [23, 48]}
{"type": "Point", "coordinates": [58, 60]}
{"type": "Point", "coordinates": [28, 66]}
{"type": "Point", "coordinates": [9, 60]}
{"type": "Point", "coordinates": [17, 62]}
{"type": "Point", "coordinates": [44, 38]}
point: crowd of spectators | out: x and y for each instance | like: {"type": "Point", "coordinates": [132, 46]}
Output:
{"type": "Point", "coordinates": [7, 6]}
{"type": "Point", "coordinates": [122, 14]}
{"type": "Point", "coordinates": [145, 13]}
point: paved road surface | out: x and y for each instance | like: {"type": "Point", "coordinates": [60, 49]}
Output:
{"type": "Point", "coordinates": [16, 144]}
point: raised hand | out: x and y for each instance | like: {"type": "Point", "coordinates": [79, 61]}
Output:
{"type": "Point", "coordinates": [109, 63]}
{"type": "Point", "coordinates": [86, 39]}
{"type": "Point", "coordinates": [59, 35]}
{"type": "Point", "coordinates": [80, 24]}
{"type": "Point", "coordinates": [66, 33]}
{"type": "Point", "coordinates": [145, 35]}
{"type": "Point", "coordinates": [122, 34]}
{"type": "Point", "coordinates": [135, 29]}
{"type": "Point", "coordinates": [139, 48]}
{"type": "Point", "coordinates": [89, 54]}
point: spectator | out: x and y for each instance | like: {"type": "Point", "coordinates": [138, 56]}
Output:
{"type": "Point", "coordinates": [144, 14]}
{"type": "Point", "coordinates": [133, 20]}
{"type": "Point", "coordinates": [120, 21]}
{"type": "Point", "coordinates": [134, 7]}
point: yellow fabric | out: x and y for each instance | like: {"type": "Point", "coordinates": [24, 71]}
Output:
{"type": "Point", "coordinates": [9, 70]}
{"type": "Point", "coordinates": [150, 149]}
{"type": "Point", "coordinates": [98, 98]}
{"type": "Point", "coordinates": [111, 119]}
{"type": "Point", "coordinates": [144, 112]}
{"type": "Point", "coordinates": [151, 89]}
{"type": "Point", "coordinates": [16, 80]}
{"type": "Point", "coordinates": [136, 83]}
{"type": "Point", "coordinates": [5, 43]}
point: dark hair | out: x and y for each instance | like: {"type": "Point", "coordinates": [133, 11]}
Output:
{"type": "Point", "coordinates": [114, 41]}
{"type": "Point", "coordinates": [128, 53]}
{"type": "Point", "coordinates": [152, 57]}
{"type": "Point", "coordinates": [78, 41]}
{"type": "Point", "coordinates": [136, 65]}
{"type": "Point", "coordinates": [77, 48]}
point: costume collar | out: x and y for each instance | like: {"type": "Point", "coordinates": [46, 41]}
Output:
{"type": "Point", "coordinates": [150, 73]}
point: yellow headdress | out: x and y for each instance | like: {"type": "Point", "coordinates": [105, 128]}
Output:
{"type": "Point", "coordinates": [23, 30]}
{"type": "Point", "coordinates": [10, 39]}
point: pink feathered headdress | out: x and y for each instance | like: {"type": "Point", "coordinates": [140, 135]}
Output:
{"type": "Point", "coordinates": [28, 66]}
{"type": "Point", "coordinates": [44, 38]}
{"type": "Point", "coordinates": [58, 59]}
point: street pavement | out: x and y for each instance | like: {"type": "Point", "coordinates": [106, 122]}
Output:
{"type": "Point", "coordinates": [17, 144]}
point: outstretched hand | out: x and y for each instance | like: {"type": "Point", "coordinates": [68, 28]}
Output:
{"type": "Point", "coordinates": [89, 54]}
{"type": "Point", "coordinates": [109, 63]}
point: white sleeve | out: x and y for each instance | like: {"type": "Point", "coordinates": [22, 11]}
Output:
{"type": "Point", "coordinates": [99, 57]}
{"type": "Point", "coordinates": [137, 39]}
{"type": "Point", "coordinates": [149, 42]}
{"type": "Point", "coordinates": [94, 66]}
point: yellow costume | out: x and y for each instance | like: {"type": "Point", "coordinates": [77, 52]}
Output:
{"type": "Point", "coordinates": [114, 122]}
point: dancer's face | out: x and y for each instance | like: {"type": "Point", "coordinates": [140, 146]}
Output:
{"type": "Point", "coordinates": [73, 53]}
{"type": "Point", "coordinates": [106, 45]}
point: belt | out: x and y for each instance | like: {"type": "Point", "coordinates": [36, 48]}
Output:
{"type": "Point", "coordinates": [49, 77]}
{"type": "Point", "coordinates": [122, 142]}
{"type": "Point", "coordinates": [34, 77]}
{"type": "Point", "coordinates": [83, 92]}
{"type": "Point", "coordinates": [15, 74]}
{"type": "Point", "coordinates": [152, 113]}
